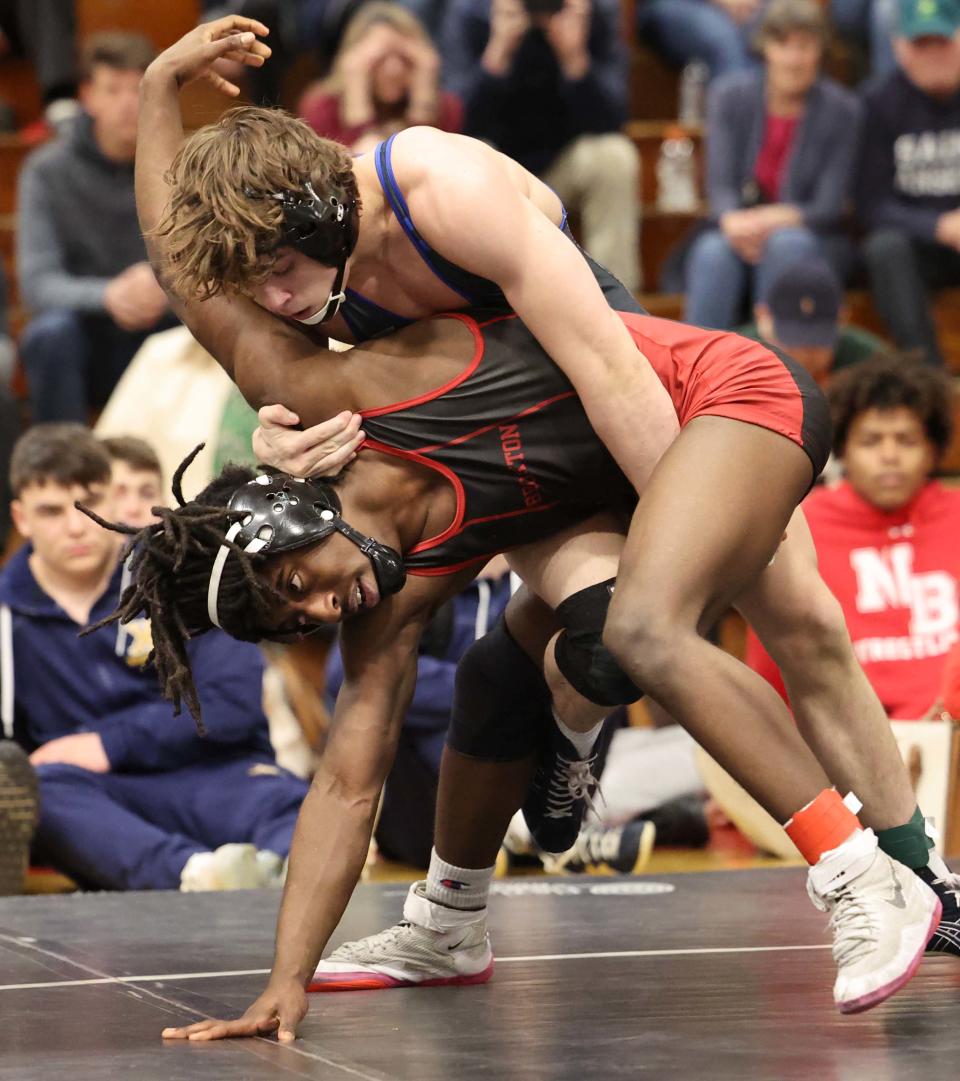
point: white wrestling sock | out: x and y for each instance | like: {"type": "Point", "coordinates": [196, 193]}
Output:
{"type": "Point", "coordinates": [583, 741]}
{"type": "Point", "coordinates": [458, 887]}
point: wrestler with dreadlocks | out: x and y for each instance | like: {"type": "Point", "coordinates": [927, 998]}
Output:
{"type": "Point", "coordinates": [477, 443]}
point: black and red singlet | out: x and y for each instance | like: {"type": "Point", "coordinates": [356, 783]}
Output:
{"type": "Point", "coordinates": [511, 437]}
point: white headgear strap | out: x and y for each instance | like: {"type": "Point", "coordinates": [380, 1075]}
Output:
{"type": "Point", "coordinates": [333, 300]}
{"type": "Point", "coordinates": [213, 589]}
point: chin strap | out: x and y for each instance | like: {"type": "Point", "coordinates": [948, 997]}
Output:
{"type": "Point", "coordinates": [216, 573]}
{"type": "Point", "coordinates": [336, 298]}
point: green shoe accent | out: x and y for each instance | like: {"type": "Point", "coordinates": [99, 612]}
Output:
{"type": "Point", "coordinates": [908, 844]}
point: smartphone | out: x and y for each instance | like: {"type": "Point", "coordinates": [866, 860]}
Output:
{"type": "Point", "coordinates": [543, 7]}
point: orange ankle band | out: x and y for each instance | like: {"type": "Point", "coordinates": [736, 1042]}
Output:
{"type": "Point", "coordinates": [823, 824]}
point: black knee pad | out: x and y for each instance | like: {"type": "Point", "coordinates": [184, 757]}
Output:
{"type": "Point", "coordinates": [501, 703]}
{"type": "Point", "coordinates": [583, 659]}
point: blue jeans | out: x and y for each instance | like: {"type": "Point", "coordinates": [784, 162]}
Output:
{"type": "Point", "coordinates": [719, 282]}
{"type": "Point", "coordinates": [135, 831]}
{"type": "Point", "coordinates": [73, 361]}
{"type": "Point", "coordinates": [685, 30]}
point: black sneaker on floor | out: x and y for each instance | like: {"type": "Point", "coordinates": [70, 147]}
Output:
{"type": "Point", "coordinates": [680, 822]}
{"type": "Point", "coordinates": [946, 938]}
{"type": "Point", "coordinates": [562, 788]}
{"type": "Point", "coordinates": [18, 816]}
{"type": "Point", "coordinates": [623, 850]}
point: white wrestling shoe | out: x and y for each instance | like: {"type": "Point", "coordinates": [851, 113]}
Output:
{"type": "Point", "coordinates": [882, 916]}
{"type": "Point", "coordinates": [231, 867]}
{"type": "Point", "coordinates": [433, 946]}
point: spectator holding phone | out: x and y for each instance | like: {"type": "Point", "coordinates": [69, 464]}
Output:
{"type": "Point", "coordinates": [545, 81]}
{"type": "Point", "coordinates": [385, 77]}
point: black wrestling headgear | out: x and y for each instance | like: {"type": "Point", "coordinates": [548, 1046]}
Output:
{"type": "Point", "coordinates": [324, 229]}
{"type": "Point", "coordinates": [282, 513]}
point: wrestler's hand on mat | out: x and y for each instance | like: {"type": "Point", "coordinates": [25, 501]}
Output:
{"type": "Point", "coordinates": [320, 451]}
{"type": "Point", "coordinates": [81, 749]}
{"type": "Point", "coordinates": [279, 1009]}
{"type": "Point", "coordinates": [194, 56]}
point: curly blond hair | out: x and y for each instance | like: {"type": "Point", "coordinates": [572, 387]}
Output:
{"type": "Point", "coordinates": [215, 234]}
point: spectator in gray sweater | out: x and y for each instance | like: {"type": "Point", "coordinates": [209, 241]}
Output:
{"type": "Point", "coordinates": [80, 256]}
{"type": "Point", "coordinates": [909, 185]}
{"type": "Point", "coordinates": [780, 154]}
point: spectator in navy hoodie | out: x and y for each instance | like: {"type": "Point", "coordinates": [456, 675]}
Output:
{"type": "Point", "coordinates": [131, 796]}
{"type": "Point", "coordinates": [550, 90]}
{"type": "Point", "coordinates": [909, 187]}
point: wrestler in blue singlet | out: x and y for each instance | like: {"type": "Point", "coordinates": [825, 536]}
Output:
{"type": "Point", "coordinates": [367, 319]}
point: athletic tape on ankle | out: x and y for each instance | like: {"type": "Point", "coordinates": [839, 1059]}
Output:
{"type": "Point", "coordinates": [910, 843]}
{"type": "Point", "coordinates": [825, 823]}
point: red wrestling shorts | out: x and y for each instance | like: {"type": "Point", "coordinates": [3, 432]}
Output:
{"type": "Point", "coordinates": [713, 373]}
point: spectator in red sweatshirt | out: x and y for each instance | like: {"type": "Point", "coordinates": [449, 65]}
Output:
{"type": "Point", "coordinates": [385, 77]}
{"type": "Point", "coordinates": [886, 535]}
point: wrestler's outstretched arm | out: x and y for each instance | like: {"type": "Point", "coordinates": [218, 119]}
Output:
{"type": "Point", "coordinates": [247, 342]}
{"type": "Point", "coordinates": [333, 831]}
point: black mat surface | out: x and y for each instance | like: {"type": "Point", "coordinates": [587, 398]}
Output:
{"type": "Point", "coordinates": [721, 975]}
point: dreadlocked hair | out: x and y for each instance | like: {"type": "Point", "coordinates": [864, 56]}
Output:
{"type": "Point", "coordinates": [170, 566]}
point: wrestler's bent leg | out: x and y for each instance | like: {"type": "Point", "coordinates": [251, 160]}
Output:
{"type": "Point", "coordinates": [708, 524]}
{"type": "Point", "coordinates": [801, 625]}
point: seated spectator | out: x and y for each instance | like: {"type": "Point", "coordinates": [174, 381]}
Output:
{"type": "Point", "coordinates": [386, 77]}
{"type": "Point", "coordinates": [779, 166]}
{"type": "Point", "coordinates": [909, 183]}
{"type": "Point", "coordinates": [803, 315]}
{"type": "Point", "coordinates": [716, 32]}
{"type": "Point", "coordinates": [132, 796]}
{"type": "Point", "coordinates": [136, 479]}
{"type": "Point", "coordinates": [886, 536]}
{"type": "Point", "coordinates": [550, 90]}
{"type": "Point", "coordinates": [80, 255]}
{"type": "Point", "coordinates": [44, 31]}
